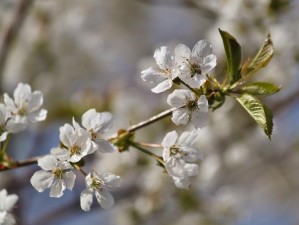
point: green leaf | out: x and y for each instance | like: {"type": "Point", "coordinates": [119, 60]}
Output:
{"type": "Point", "coordinates": [233, 56]}
{"type": "Point", "coordinates": [260, 88]}
{"type": "Point", "coordinates": [263, 56]}
{"type": "Point", "coordinates": [258, 111]}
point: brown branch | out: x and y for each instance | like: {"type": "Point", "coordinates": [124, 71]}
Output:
{"type": "Point", "coordinates": [19, 164]}
{"type": "Point", "coordinates": [11, 31]}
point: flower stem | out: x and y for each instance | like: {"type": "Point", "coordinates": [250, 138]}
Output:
{"type": "Point", "coordinates": [154, 156]}
{"type": "Point", "coordinates": [149, 145]}
{"type": "Point", "coordinates": [191, 89]}
{"type": "Point", "coordinates": [4, 147]}
{"type": "Point", "coordinates": [151, 120]}
{"type": "Point", "coordinates": [77, 167]}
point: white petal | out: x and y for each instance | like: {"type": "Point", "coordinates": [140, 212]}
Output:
{"type": "Point", "coordinates": [69, 178]}
{"type": "Point", "coordinates": [163, 86]}
{"type": "Point", "coordinates": [57, 188]}
{"type": "Point", "coordinates": [67, 134]}
{"type": "Point", "coordinates": [60, 153]}
{"type": "Point", "coordinates": [41, 180]}
{"type": "Point", "coordinates": [4, 114]}
{"type": "Point", "coordinates": [35, 101]}
{"type": "Point", "coordinates": [104, 198]}
{"type": "Point", "coordinates": [175, 167]}
{"type": "Point", "coordinates": [199, 119]}
{"type": "Point", "coordinates": [192, 169]}
{"type": "Point", "coordinates": [48, 162]}
{"type": "Point", "coordinates": [202, 49]}
{"type": "Point", "coordinates": [166, 154]}
{"type": "Point", "coordinates": [104, 146]}
{"type": "Point", "coordinates": [169, 139]}
{"type": "Point", "coordinates": [183, 183]}
{"type": "Point", "coordinates": [193, 82]}
{"type": "Point", "coordinates": [104, 122]}
{"type": "Point", "coordinates": [21, 94]}
{"type": "Point", "coordinates": [16, 124]}
{"type": "Point", "coordinates": [188, 138]}
{"type": "Point", "coordinates": [37, 116]}
{"type": "Point", "coordinates": [151, 75]}
{"type": "Point", "coordinates": [89, 118]}
{"type": "Point", "coordinates": [190, 154]}
{"type": "Point", "coordinates": [208, 64]}
{"type": "Point", "coordinates": [182, 54]}
{"type": "Point", "coordinates": [10, 201]}
{"type": "Point", "coordinates": [179, 98]}
{"type": "Point", "coordinates": [199, 80]}
{"type": "Point", "coordinates": [75, 124]}
{"type": "Point", "coordinates": [88, 180]}
{"type": "Point", "coordinates": [86, 199]}
{"type": "Point", "coordinates": [180, 116]}
{"type": "Point", "coordinates": [9, 103]}
{"type": "Point", "coordinates": [111, 180]}
{"type": "Point", "coordinates": [163, 58]}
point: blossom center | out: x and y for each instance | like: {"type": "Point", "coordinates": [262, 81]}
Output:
{"type": "Point", "coordinates": [58, 173]}
{"type": "Point", "coordinates": [194, 68]}
{"type": "Point", "coordinates": [174, 150]}
{"type": "Point", "coordinates": [75, 150]}
{"type": "Point", "coordinates": [22, 111]}
{"type": "Point", "coordinates": [191, 105]}
{"type": "Point", "coordinates": [97, 183]}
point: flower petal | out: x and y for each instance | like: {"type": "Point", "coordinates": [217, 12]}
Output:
{"type": "Point", "coordinates": [163, 58]}
{"type": "Point", "coordinates": [104, 198]}
{"type": "Point", "coordinates": [111, 180]}
{"type": "Point", "coordinates": [35, 101]}
{"type": "Point", "coordinates": [180, 116]}
{"type": "Point", "coordinates": [37, 116]}
{"type": "Point", "coordinates": [202, 49]}
{"type": "Point", "coordinates": [21, 94]}
{"type": "Point", "coordinates": [69, 178]}
{"type": "Point", "coordinates": [192, 169]}
{"type": "Point", "coordinates": [60, 153]}
{"type": "Point", "coordinates": [57, 188]}
{"type": "Point", "coordinates": [163, 86]}
{"type": "Point", "coordinates": [175, 167]}
{"type": "Point", "coordinates": [9, 103]}
{"type": "Point", "coordinates": [10, 201]}
{"type": "Point", "coordinates": [41, 180]}
{"type": "Point", "coordinates": [182, 54]}
{"type": "Point", "coordinates": [67, 134]}
{"type": "Point", "coordinates": [179, 98]}
{"type": "Point", "coordinates": [104, 146]}
{"type": "Point", "coordinates": [104, 122]}
{"type": "Point", "coordinates": [188, 138]}
{"type": "Point", "coordinates": [16, 124]}
{"type": "Point", "coordinates": [86, 199]}
{"type": "Point", "coordinates": [199, 119]}
{"type": "Point", "coordinates": [169, 139]}
{"type": "Point", "coordinates": [209, 63]}
{"type": "Point", "coordinates": [3, 136]}
{"type": "Point", "coordinates": [183, 183]}
{"type": "Point", "coordinates": [47, 162]}
{"type": "Point", "coordinates": [151, 75]}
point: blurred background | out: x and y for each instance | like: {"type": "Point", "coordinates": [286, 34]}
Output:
{"type": "Point", "coordinates": [89, 54]}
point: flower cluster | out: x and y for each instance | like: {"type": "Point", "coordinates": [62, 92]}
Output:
{"type": "Point", "coordinates": [17, 112]}
{"type": "Point", "coordinates": [7, 202]}
{"type": "Point", "coordinates": [77, 141]}
{"type": "Point", "coordinates": [180, 157]}
{"type": "Point", "coordinates": [188, 68]}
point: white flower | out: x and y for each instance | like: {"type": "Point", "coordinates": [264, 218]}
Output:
{"type": "Point", "coordinates": [25, 107]}
{"type": "Point", "coordinates": [180, 156]}
{"type": "Point", "coordinates": [7, 202]}
{"type": "Point", "coordinates": [193, 64]}
{"type": "Point", "coordinates": [55, 174]}
{"type": "Point", "coordinates": [189, 108]}
{"type": "Point", "coordinates": [97, 124]}
{"type": "Point", "coordinates": [99, 184]}
{"type": "Point", "coordinates": [163, 76]}
{"type": "Point", "coordinates": [76, 143]}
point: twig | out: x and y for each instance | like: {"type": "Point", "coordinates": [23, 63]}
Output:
{"type": "Point", "coordinates": [150, 120]}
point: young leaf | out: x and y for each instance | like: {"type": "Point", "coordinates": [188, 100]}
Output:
{"type": "Point", "coordinates": [258, 111]}
{"type": "Point", "coordinates": [233, 56]}
{"type": "Point", "coordinates": [260, 88]}
{"type": "Point", "coordinates": [263, 56]}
